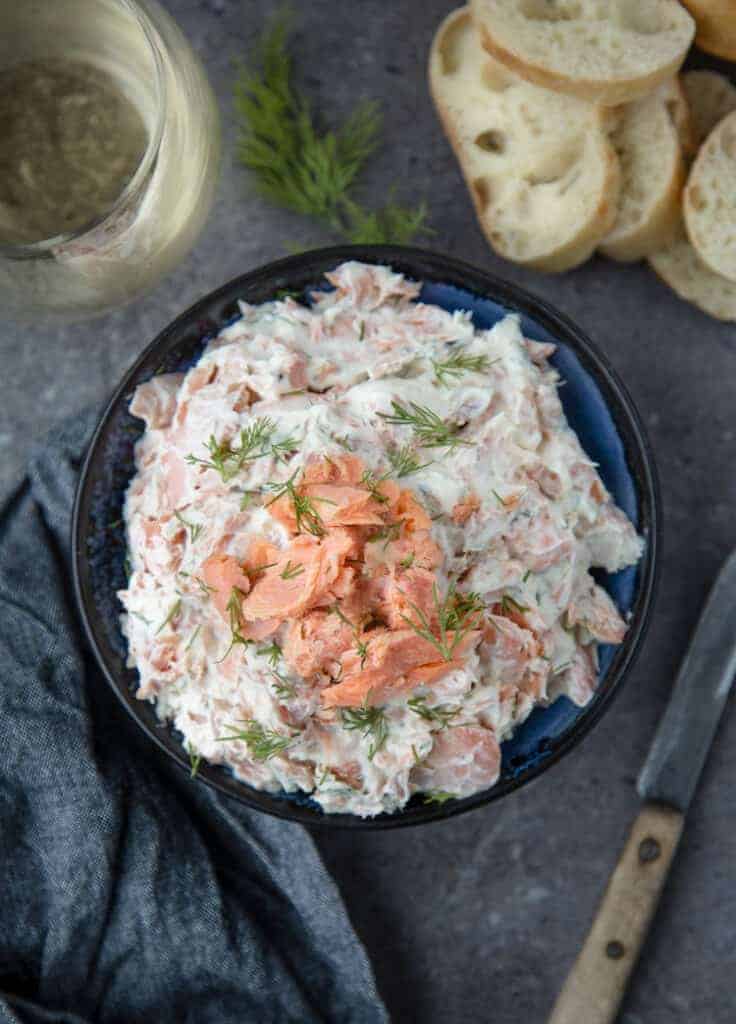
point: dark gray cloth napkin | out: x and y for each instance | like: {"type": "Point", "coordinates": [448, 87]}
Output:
{"type": "Point", "coordinates": [128, 892]}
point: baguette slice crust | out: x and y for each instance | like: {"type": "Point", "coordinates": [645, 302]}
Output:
{"type": "Point", "coordinates": [679, 267]}
{"type": "Point", "coordinates": [711, 97]}
{"type": "Point", "coordinates": [709, 202]}
{"type": "Point", "coordinates": [653, 174]}
{"type": "Point", "coordinates": [541, 172]}
{"type": "Point", "coordinates": [606, 51]}
{"type": "Point", "coordinates": [715, 22]}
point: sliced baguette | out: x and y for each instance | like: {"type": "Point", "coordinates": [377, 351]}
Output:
{"type": "Point", "coordinates": [709, 202]}
{"type": "Point", "coordinates": [607, 51]}
{"type": "Point", "coordinates": [679, 267]}
{"type": "Point", "coordinates": [653, 174]}
{"type": "Point", "coordinates": [715, 22]}
{"type": "Point", "coordinates": [542, 174]}
{"type": "Point", "coordinates": [678, 105]}
{"type": "Point", "coordinates": [710, 97]}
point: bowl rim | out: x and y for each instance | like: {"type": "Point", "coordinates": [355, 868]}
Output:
{"type": "Point", "coordinates": [485, 285]}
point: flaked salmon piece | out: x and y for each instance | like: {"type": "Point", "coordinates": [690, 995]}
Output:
{"type": "Point", "coordinates": [350, 773]}
{"type": "Point", "coordinates": [464, 509]}
{"type": "Point", "coordinates": [383, 672]}
{"type": "Point", "coordinates": [154, 402]}
{"type": "Point", "coordinates": [175, 478]}
{"type": "Point", "coordinates": [338, 469]}
{"type": "Point", "coordinates": [344, 505]}
{"type": "Point", "coordinates": [415, 551]}
{"type": "Point", "coordinates": [283, 593]}
{"type": "Point", "coordinates": [580, 679]}
{"type": "Point", "coordinates": [511, 648]}
{"type": "Point", "coordinates": [316, 642]}
{"type": "Point", "coordinates": [463, 760]}
{"type": "Point", "coordinates": [261, 552]}
{"type": "Point", "coordinates": [402, 590]}
{"type": "Point", "coordinates": [411, 513]}
{"type": "Point", "coordinates": [595, 610]}
{"type": "Point", "coordinates": [425, 675]}
{"type": "Point", "coordinates": [222, 573]}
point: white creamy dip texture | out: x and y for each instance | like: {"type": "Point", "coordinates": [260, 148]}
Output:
{"type": "Point", "coordinates": [432, 580]}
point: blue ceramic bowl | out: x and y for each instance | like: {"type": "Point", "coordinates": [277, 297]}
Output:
{"type": "Point", "coordinates": [597, 407]}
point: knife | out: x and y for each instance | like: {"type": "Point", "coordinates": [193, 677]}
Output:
{"type": "Point", "coordinates": [595, 986]}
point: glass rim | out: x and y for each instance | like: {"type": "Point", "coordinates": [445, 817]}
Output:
{"type": "Point", "coordinates": [44, 247]}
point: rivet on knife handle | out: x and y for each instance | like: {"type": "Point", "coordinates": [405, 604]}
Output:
{"type": "Point", "coordinates": [597, 982]}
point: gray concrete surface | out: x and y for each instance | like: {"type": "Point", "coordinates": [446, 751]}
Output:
{"type": "Point", "coordinates": [478, 919]}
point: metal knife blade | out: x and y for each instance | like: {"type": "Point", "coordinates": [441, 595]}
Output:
{"type": "Point", "coordinates": [680, 747]}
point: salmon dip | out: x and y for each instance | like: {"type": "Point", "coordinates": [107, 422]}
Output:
{"type": "Point", "coordinates": [360, 535]}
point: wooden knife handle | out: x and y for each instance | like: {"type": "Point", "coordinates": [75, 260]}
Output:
{"type": "Point", "coordinates": [596, 984]}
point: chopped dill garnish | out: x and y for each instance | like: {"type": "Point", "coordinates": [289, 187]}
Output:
{"type": "Point", "coordinates": [172, 613]}
{"type": "Point", "coordinates": [456, 613]}
{"type": "Point", "coordinates": [262, 743]}
{"type": "Point", "coordinates": [405, 461]}
{"type": "Point", "coordinates": [247, 500]}
{"type": "Point", "coordinates": [526, 576]}
{"type": "Point", "coordinates": [387, 533]}
{"type": "Point", "coordinates": [287, 293]}
{"type": "Point", "coordinates": [255, 443]}
{"type": "Point", "coordinates": [344, 443]}
{"type": "Point", "coordinates": [361, 646]}
{"type": "Point", "coordinates": [371, 482]}
{"type": "Point", "coordinates": [430, 430]}
{"type": "Point", "coordinates": [233, 609]}
{"type": "Point", "coordinates": [296, 391]}
{"type": "Point", "coordinates": [417, 758]}
{"type": "Point", "coordinates": [127, 567]}
{"type": "Point", "coordinates": [258, 569]}
{"type": "Point", "coordinates": [272, 652]}
{"type": "Point", "coordinates": [194, 528]}
{"type": "Point", "coordinates": [441, 713]}
{"type": "Point", "coordinates": [138, 615]}
{"type": "Point", "coordinates": [195, 759]}
{"type": "Point", "coordinates": [408, 562]}
{"type": "Point", "coordinates": [115, 524]}
{"type": "Point", "coordinates": [298, 165]}
{"type": "Point", "coordinates": [456, 365]}
{"type": "Point", "coordinates": [283, 689]}
{"type": "Point", "coordinates": [438, 796]}
{"type": "Point", "coordinates": [508, 604]}
{"type": "Point", "coordinates": [499, 499]}
{"type": "Point", "coordinates": [192, 638]}
{"type": "Point", "coordinates": [291, 571]}
{"type": "Point", "coordinates": [368, 722]}
{"type": "Point", "coordinates": [305, 512]}
{"type": "Point", "coordinates": [557, 669]}
{"type": "Point", "coordinates": [361, 336]}
{"type": "Point", "coordinates": [204, 587]}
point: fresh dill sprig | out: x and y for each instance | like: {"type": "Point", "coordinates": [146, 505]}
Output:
{"type": "Point", "coordinates": [193, 637]}
{"type": "Point", "coordinates": [388, 533]}
{"type": "Point", "coordinates": [272, 652]}
{"type": "Point", "coordinates": [234, 615]}
{"type": "Point", "coordinates": [361, 646]}
{"type": "Point", "coordinates": [526, 576]}
{"type": "Point", "coordinates": [344, 443]}
{"type": "Point", "coordinates": [430, 430]}
{"type": "Point", "coordinates": [262, 743]}
{"type": "Point", "coordinates": [195, 759]}
{"type": "Point", "coordinates": [440, 713]}
{"type": "Point", "coordinates": [194, 528]}
{"type": "Point", "coordinates": [368, 722]}
{"type": "Point", "coordinates": [405, 461]}
{"type": "Point", "coordinates": [298, 165]}
{"type": "Point", "coordinates": [171, 615]}
{"type": "Point", "coordinates": [408, 562]}
{"type": "Point", "coordinates": [456, 613]}
{"type": "Point", "coordinates": [140, 616]}
{"type": "Point", "coordinates": [438, 796]}
{"type": "Point", "coordinates": [370, 481]}
{"type": "Point", "coordinates": [256, 442]}
{"type": "Point", "coordinates": [283, 689]}
{"type": "Point", "coordinates": [290, 571]}
{"type": "Point", "coordinates": [305, 512]}
{"type": "Point", "coordinates": [509, 604]}
{"type": "Point", "coordinates": [448, 370]}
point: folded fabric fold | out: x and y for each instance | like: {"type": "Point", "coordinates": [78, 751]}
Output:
{"type": "Point", "coordinates": [129, 892]}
